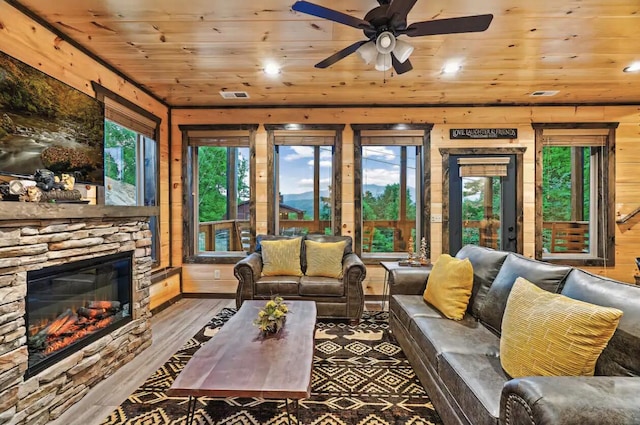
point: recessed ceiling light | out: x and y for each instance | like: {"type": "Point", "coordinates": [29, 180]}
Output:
{"type": "Point", "coordinates": [451, 68]}
{"type": "Point", "coordinates": [272, 69]}
{"type": "Point", "coordinates": [634, 67]}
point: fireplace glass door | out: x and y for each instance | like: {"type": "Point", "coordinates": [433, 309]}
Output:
{"type": "Point", "coordinates": [71, 305]}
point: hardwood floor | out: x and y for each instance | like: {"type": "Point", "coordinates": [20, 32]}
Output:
{"type": "Point", "coordinates": [171, 328]}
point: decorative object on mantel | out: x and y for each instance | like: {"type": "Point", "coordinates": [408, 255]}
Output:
{"type": "Point", "coordinates": [272, 316]}
{"type": "Point", "coordinates": [45, 187]}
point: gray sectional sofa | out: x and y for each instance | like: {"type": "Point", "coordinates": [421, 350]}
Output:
{"type": "Point", "coordinates": [458, 362]}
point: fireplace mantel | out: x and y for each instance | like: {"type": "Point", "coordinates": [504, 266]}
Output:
{"type": "Point", "coordinates": [45, 211]}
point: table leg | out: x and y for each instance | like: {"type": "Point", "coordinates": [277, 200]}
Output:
{"type": "Point", "coordinates": [385, 288]}
{"type": "Point", "coordinates": [296, 407]}
{"type": "Point", "coordinates": [191, 412]}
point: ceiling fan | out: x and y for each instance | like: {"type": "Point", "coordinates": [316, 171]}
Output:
{"type": "Point", "coordinates": [382, 25]}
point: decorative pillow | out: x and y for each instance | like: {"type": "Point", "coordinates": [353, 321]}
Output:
{"type": "Point", "coordinates": [324, 258]}
{"type": "Point", "coordinates": [449, 286]}
{"type": "Point", "coordinates": [547, 334]}
{"type": "Point", "coordinates": [281, 257]}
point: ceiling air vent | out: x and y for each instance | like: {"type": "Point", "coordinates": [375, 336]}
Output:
{"type": "Point", "coordinates": [545, 93]}
{"type": "Point", "coordinates": [234, 94]}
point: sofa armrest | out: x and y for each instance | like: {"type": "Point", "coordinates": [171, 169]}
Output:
{"type": "Point", "coordinates": [408, 280]}
{"type": "Point", "coordinates": [563, 400]}
{"type": "Point", "coordinates": [354, 272]}
{"type": "Point", "coordinates": [247, 271]}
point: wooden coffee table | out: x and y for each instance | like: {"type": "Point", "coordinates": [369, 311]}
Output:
{"type": "Point", "coordinates": [239, 362]}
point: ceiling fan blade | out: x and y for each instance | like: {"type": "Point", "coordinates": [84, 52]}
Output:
{"type": "Point", "coordinates": [341, 54]}
{"type": "Point", "coordinates": [475, 23]}
{"type": "Point", "coordinates": [330, 14]}
{"type": "Point", "coordinates": [400, 67]}
{"type": "Point", "coordinates": [400, 7]}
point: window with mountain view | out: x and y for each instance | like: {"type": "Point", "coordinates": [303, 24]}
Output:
{"type": "Point", "coordinates": [304, 196]}
{"type": "Point", "coordinates": [391, 188]}
{"type": "Point", "coordinates": [305, 176]}
{"type": "Point", "coordinates": [389, 203]}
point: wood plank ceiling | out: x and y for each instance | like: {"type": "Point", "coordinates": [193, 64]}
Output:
{"type": "Point", "coordinates": [185, 52]}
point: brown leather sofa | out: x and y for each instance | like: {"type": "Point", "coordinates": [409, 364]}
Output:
{"type": "Point", "coordinates": [335, 298]}
{"type": "Point", "coordinates": [458, 362]}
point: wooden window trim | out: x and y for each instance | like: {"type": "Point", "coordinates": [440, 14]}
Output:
{"type": "Point", "coordinates": [323, 130]}
{"type": "Point", "coordinates": [446, 152]}
{"type": "Point", "coordinates": [605, 255]}
{"type": "Point", "coordinates": [190, 254]}
{"type": "Point", "coordinates": [425, 164]}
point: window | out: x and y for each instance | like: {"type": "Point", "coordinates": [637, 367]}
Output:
{"type": "Point", "coordinates": [131, 158]}
{"type": "Point", "coordinates": [391, 188]}
{"type": "Point", "coordinates": [220, 212]}
{"type": "Point", "coordinates": [576, 173]}
{"type": "Point", "coordinates": [305, 197]}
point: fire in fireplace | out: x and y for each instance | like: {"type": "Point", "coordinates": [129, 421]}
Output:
{"type": "Point", "coordinates": [71, 305]}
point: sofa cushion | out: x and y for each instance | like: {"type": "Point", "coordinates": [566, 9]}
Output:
{"type": "Point", "coordinates": [486, 264]}
{"type": "Point", "coordinates": [261, 238]}
{"type": "Point", "coordinates": [406, 307]}
{"type": "Point", "coordinates": [435, 336]}
{"type": "Point", "coordinates": [348, 247]}
{"type": "Point", "coordinates": [547, 276]}
{"type": "Point", "coordinates": [620, 356]}
{"type": "Point", "coordinates": [321, 286]}
{"type": "Point", "coordinates": [324, 258]}
{"type": "Point", "coordinates": [546, 334]}
{"type": "Point", "coordinates": [475, 381]}
{"type": "Point", "coordinates": [270, 286]}
{"type": "Point", "coordinates": [281, 257]}
{"type": "Point", "coordinates": [449, 286]}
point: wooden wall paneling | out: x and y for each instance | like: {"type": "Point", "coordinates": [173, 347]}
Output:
{"type": "Point", "coordinates": [373, 282]}
{"type": "Point", "coordinates": [177, 193]}
{"type": "Point", "coordinates": [627, 186]}
{"type": "Point", "coordinates": [164, 291]}
{"type": "Point", "coordinates": [199, 279]}
{"type": "Point", "coordinates": [348, 194]}
{"type": "Point", "coordinates": [35, 45]}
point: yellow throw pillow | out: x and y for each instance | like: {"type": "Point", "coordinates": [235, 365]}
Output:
{"type": "Point", "coordinates": [324, 258]}
{"type": "Point", "coordinates": [281, 257]}
{"type": "Point", "coordinates": [449, 286]}
{"type": "Point", "coordinates": [547, 334]}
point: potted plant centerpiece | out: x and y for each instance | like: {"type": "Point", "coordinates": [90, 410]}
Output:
{"type": "Point", "coordinates": [272, 316]}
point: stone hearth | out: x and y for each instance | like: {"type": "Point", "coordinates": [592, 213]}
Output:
{"type": "Point", "coordinates": [31, 244]}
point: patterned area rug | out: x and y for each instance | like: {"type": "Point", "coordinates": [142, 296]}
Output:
{"type": "Point", "coordinates": [360, 377]}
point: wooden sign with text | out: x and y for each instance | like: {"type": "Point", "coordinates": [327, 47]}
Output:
{"type": "Point", "coordinates": [483, 133]}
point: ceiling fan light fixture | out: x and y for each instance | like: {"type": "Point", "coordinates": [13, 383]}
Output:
{"type": "Point", "coordinates": [402, 51]}
{"type": "Point", "coordinates": [386, 42]}
{"type": "Point", "coordinates": [383, 62]}
{"type": "Point", "coordinates": [368, 52]}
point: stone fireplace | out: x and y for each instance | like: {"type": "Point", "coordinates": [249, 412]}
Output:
{"type": "Point", "coordinates": [71, 305]}
{"type": "Point", "coordinates": [98, 313]}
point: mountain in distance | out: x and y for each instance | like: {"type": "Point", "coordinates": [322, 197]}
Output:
{"type": "Point", "coordinates": [304, 201]}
